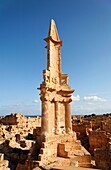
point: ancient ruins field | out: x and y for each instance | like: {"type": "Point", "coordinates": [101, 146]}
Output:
{"type": "Point", "coordinates": [55, 84]}
{"type": "Point", "coordinates": [56, 140]}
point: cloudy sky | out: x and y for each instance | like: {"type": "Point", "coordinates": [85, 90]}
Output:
{"type": "Point", "coordinates": [85, 29]}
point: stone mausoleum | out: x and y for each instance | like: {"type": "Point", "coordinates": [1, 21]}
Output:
{"type": "Point", "coordinates": [55, 92]}
{"type": "Point", "coordinates": [58, 143]}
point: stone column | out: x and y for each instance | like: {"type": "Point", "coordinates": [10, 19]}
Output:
{"type": "Point", "coordinates": [57, 118]}
{"type": "Point", "coordinates": [45, 123]}
{"type": "Point", "coordinates": [68, 123]}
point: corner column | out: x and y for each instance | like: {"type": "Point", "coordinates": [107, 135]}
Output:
{"type": "Point", "coordinates": [45, 123]}
{"type": "Point", "coordinates": [57, 118]}
{"type": "Point", "coordinates": [68, 123]}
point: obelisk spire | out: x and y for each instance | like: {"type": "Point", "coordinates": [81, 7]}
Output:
{"type": "Point", "coordinates": [53, 52]}
{"type": "Point", "coordinates": [53, 33]}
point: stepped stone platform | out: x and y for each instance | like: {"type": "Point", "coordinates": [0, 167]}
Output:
{"type": "Point", "coordinates": [61, 150]}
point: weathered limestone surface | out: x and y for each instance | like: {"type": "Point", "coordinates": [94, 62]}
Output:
{"type": "Point", "coordinates": [99, 135]}
{"type": "Point", "coordinates": [82, 130]}
{"type": "Point", "coordinates": [16, 139]}
{"type": "Point", "coordinates": [20, 120]}
{"type": "Point", "coordinates": [97, 139]}
{"type": "Point", "coordinates": [3, 163]}
{"type": "Point", "coordinates": [106, 125]}
{"type": "Point", "coordinates": [92, 130]}
{"type": "Point", "coordinates": [103, 157]}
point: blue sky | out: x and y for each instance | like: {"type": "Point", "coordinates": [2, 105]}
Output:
{"type": "Point", "coordinates": [84, 26]}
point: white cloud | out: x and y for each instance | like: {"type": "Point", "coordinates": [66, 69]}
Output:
{"type": "Point", "coordinates": [90, 107]}
{"type": "Point", "coordinates": [75, 98]}
{"type": "Point", "coordinates": [90, 103]}
{"type": "Point", "coordinates": [35, 101]}
{"type": "Point", "coordinates": [94, 98]}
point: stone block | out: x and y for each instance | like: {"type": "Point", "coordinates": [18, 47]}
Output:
{"type": "Point", "coordinates": [61, 150]}
{"type": "Point", "coordinates": [1, 157]}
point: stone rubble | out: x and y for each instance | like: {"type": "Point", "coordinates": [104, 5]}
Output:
{"type": "Point", "coordinates": [97, 130]}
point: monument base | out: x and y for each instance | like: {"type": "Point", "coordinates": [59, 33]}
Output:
{"type": "Point", "coordinates": [61, 150]}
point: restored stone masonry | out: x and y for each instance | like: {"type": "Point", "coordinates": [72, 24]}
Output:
{"type": "Point", "coordinates": [55, 92]}
{"type": "Point", "coordinates": [58, 143]}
